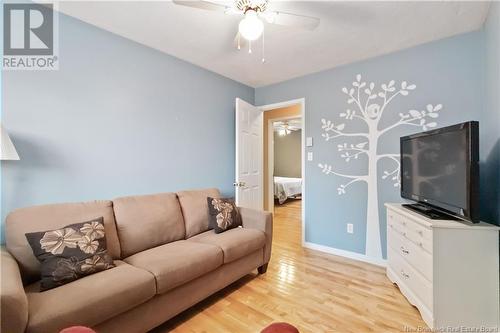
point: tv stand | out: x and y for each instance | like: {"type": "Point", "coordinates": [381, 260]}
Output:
{"type": "Point", "coordinates": [429, 212]}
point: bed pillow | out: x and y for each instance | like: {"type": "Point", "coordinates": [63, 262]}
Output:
{"type": "Point", "coordinates": [71, 252]}
{"type": "Point", "coordinates": [223, 214]}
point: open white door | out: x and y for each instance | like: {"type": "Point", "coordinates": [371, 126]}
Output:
{"type": "Point", "coordinates": [249, 154]}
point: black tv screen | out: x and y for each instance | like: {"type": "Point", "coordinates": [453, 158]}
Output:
{"type": "Point", "coordinates": [439, 168]}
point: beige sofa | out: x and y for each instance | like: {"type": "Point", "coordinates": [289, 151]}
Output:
{"type": "Point", "coordinates": [166, 261]}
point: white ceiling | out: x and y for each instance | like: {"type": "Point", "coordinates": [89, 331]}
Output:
{"type": "Point", "coordinates": [348, 32]}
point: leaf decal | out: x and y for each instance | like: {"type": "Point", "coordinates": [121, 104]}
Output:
{"type": "Point", "coordinates": [414, 113]}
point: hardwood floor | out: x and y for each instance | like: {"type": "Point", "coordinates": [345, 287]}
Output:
{"type": "Point", "coordinates": [314, 291]}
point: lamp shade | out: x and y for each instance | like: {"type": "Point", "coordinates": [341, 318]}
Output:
{"type": "Point", "coordinates": [7, 149]}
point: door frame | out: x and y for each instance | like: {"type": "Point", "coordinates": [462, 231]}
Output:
{"type": "Point", "coordinates": [269, 107]}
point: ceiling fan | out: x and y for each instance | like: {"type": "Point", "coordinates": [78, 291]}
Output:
{"type": "Point", "coordinates": [251, 27]}
{"type": "Point", "coordinates": [286, 127]}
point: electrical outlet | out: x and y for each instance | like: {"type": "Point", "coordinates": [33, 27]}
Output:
{"type": "Point", "coordinates": [309, 156]}
{"type": "Point", "coordinates": [350, 228]}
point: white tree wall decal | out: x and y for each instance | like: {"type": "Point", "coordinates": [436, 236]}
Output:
{"type": "Point", "coordinates": [369, 107]}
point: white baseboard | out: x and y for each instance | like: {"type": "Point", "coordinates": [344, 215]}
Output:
{"type": "Point", "coordinates": [344, 253]}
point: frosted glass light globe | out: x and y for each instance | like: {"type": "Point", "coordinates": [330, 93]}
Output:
{"type": "Point", "coordinates": [251, 27]}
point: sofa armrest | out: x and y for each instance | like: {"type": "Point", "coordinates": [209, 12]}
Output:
{"type": "Point", "coordinates": [13, 299]}
{"type": "Point", "coordinates": [260, 220]}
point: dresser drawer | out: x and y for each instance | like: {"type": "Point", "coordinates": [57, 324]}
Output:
{"type": "Point", "coordinates": [420, 235]}
{"type": "Point", "coordinates": [411, 279]}
{"type": "Point", "coordinates": [411, 230]}
{"type": "Point", "coordinates": [414, 255]}
{"type": "Point", "coordinates": [395, 223]}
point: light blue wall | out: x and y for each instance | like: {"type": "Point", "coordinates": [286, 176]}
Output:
{"type": "Point", "coordinates": [448, 71]}
{"type": "Point", "coordinates": [490, 166]}
{"type": "Point", "coordinates": [117, 119]}
{"type": "Point", "coordinates": [1, 107]}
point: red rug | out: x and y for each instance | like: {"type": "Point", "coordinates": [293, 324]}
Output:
{"type": "Point", "coordinates": [77, 329]}
{"type": "Point", "coordinates": [280, 328]}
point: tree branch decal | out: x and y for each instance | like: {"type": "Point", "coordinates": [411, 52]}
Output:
{"type": "Point", "coordinates": [417, 118]}
{"type": "Point", "coordinates": [370, 103]}
{"type": "Point", "coordinates": [352, 151]}
{"type": "Point", "coordinates": [327, 169]}
{"type": "Point", "coordinates": [337, 130]}
{"type": "Point", "coordinates": [395, 174]}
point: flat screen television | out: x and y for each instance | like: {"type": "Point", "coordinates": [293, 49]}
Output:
{"type": "Point", "coordinates": [440, 171]}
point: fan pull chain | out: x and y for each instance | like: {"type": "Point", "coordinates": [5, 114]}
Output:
{"type": "Point", "coordinates": [239, 45]}
{"type": "Point", "coordinates": [263, 47]}
{"type": "Point", "coordinates": [249, 46]}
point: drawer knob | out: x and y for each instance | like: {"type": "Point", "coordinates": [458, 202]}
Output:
{"type": "Point", "coordinates": [406, 276]}
{"type": "Point", "coordinates": [420, 233]}
{"type": "Point", "coordinates": [405, 251]}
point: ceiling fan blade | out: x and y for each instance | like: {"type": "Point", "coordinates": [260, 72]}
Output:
{"type": "Point", "coordinates": [200, 4]}
{"type": "Point", "coordinates": [291, 20]}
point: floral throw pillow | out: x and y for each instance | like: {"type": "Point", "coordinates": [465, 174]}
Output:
{"type": "Point", "coordinates": [223, 214]}
{"type": "Point", "coordinates": [70, 253]}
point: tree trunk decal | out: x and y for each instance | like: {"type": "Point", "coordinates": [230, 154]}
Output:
{"type": "Point", "coordinates": [369, 107]}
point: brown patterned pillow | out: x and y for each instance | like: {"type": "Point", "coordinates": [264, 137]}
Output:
{"type": "Point", "coordinates": [223, 214]}
{"type": "Point", "coordinates": [70, 253]}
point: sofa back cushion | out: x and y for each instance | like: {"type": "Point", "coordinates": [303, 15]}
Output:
{"type": "Point", "coordinates": [146, 221]}
{"type": "Point", "coordinates": [46, 217]}
{"type": "Point", "coordinates": [195, 209]}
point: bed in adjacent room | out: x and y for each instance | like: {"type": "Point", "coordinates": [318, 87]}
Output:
{"type": "Point", "coordinates": [287, 187]}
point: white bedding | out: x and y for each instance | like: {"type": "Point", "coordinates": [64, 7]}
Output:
{"type": "Point", "coordinates": [285, 187]}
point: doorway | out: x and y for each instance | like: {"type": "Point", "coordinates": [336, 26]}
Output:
{"type": "Point", "coordinates": [284, 149]}
{"type": "Point", "coordinates": [254, 162]}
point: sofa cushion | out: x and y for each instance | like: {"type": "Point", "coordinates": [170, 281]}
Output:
{"type": "Point", "coordinates": [178, 262]}
{"type": "Point", "coordinates": [195, 209]}
{"type": "Point", "coordinates": [235, 243]}
{"type": "Point", "coordinates": [222, 214]}
{"type": "Point", "coordinates": [146, 221]}
{"type": "Point", "coordinates": [39, 218]}
{"type": "Point", "coordinates": [90, 300]}
{"type": "Point", "coordinates": [70, 253]}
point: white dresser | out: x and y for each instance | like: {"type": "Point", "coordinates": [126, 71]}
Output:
{"type": "Point", "coordinates": [449, 270]}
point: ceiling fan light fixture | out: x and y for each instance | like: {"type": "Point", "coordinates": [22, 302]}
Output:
{"type": "Point", "coordinates": [251, 27]}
